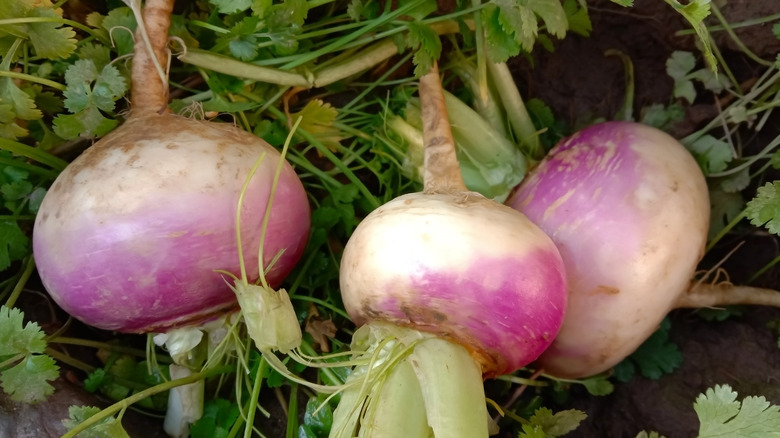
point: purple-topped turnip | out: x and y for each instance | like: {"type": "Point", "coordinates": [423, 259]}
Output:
{"type": "Point", "coordinates": [628, 208]}
{"type": "Point", "coordinates": [450, 288]}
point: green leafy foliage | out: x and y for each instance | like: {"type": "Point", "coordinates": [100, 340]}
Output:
{"type": "Point", "coordinates": [109, 427]}
{"type": "Point", "coordinates": [50, 40]}
{"type": "Point", "coordinates": [317, 419]}
{"type": "Point", "coordinates": [695, 12]}
{"type": "Point", "coordinates": [713, 155]}
{"type": "Point", "coordinates": [24, 371]}
{"type": "Point", "coordinates": [123, 376]}
{"type": "Point", "coordinates": [654, 358]}
{"type": "Point", "coordinates": [764, 208]}
{"type": "Point", "coordinates": [721, 415]}
{"type": "Point", "coordinates": [681, 67]}
{"type": "Point", "coordinates": [426, 44]}
{"type": "Point", "coordinates": [219, 415]}
{"type": "Point", "coordinates": [512, 26]}
{"type": "Point", "coordinates": [544, 424]}
{"type": "Point", "coordinates": [15, 105]}
{"type": "Point", "coordinates": [89, 92]}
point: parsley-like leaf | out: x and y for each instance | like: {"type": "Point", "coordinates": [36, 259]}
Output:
{"type": "Point", "coordinates": [50, 40]}
{"type": "Point", "coordinates": [712, 154]}
{"type": "Point", "coordinates": [106, 428]}
{"type": "Point", "coordinates": [15, 105]}
{"type": "Point", "coordinates": [14, 244]}
{"type": "Point", "coordinates": [426, 44]}
{"type": "Point", "coordinates": [231, 6]}
{"type": "Point", "coordinates": [722, 415]}
{"type": "Point", "coordinates": [695, 12]}
{"type": "Point", "coordinates": [764, 209]}
{"type": "Point", "coordinates": [655, 357]}
{"type": "Point", "coordinates": [678, 67]}
{"type": "Point", "coordinates": [89, 92]}
{"type": "Point", "coordinates": [518, 21]}
{"type": "Point", "coordinates": [27, 381]}
{"type": "Point", "coordinates": [545, 424]}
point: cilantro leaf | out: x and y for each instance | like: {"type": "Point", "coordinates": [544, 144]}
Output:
{"type": "Point", "coordinates": [545, 424]}
{"type": "Point", "coordinates": [317, 119]}
{"type": "Point", "coordinates": [89, 92]}
{"type": "Point", "coordinates": [518, 21]}
{"type": "Point", "coordinates": [27, 381]}
{"type": "Point", "coordinates": [695, 12]}
{"type": "Point", "coordinates": [764, 208]}
{"type": "Point", "coordinates": [231, 6]}
{"type": "Point", "coordinates": [712, 154]}
{"type": "Point", "coordinates": [106, 428]}
{"type": "Point", "coordinates": [50, 40]}
{"type": "Point", "coordinates": [720, 414]}
{"type": "Point", "coordinates": [426, 44]}
{"type": "Point", "coordinates": [15, 104]}
{"type": "Point", "coordinates": [678, 67]}
{"type": "Point", "coordinates": [120, 24]}
{"type": "Point", "coordinates": [218, 417]}
{"type": "Point", "coordinates": [655, 357]}
{"type": "Point", "coordinates": [14, 244]}
{"type": "Point", "coordinates": [578, 18]}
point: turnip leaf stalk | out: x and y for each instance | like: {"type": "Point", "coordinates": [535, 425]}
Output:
{"type": "Point", "coordinates": [442, 297]}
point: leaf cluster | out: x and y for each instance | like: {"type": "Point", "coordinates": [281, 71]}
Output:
{"type": "Point", "coordinates": [25, 371]}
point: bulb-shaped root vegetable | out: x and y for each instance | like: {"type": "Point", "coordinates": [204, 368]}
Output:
{"type": "Point", "coordinates": [450, 284]}
{"type": "Point", "coordinates": [628, 208]}
{"type": "Point", "coordinates": [131, 233]}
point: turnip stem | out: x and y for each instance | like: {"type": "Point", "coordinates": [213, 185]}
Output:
{"type": "Point", "coordinates": [149, 92]}
{"type": "Point", "coordinates": [442, 171]}
{"type": "Point", "coordinates": [727, 294]}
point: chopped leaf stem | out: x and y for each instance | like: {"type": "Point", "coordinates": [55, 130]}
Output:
{"type": "Point", "coordinates": [34, 79]}
{"type": "Point", "coordinates": [27, 271]}
{"type": "Point", "coordinates": [162, 387]}
{"type": "Point", "coordinates": [336, 45]}
{"type": "Point", "coordinates": [65, 21]}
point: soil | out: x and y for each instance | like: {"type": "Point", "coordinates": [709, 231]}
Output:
{"type": "Point", "coordinates": [579, 82]}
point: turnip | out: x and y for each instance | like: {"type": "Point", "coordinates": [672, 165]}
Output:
{"type": "Point", "coordinates": [137, 234]}
{"type": "Point", "coordinates": [131, 234]}
{"type": "Point", "coordinates": [628, 208]}
{"type": "Point", "coordinates": [449, 288]}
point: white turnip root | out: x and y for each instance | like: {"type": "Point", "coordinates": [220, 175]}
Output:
{"type": "Point", "coordinates": [628, 208]}
{"type": "Point", "coordinates": [131, 234]}
{"type": "Point", "coordinates": [449, 288]}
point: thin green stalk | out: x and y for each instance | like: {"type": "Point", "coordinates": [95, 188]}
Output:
{"type": "Point", "coordinates": [292, 412]}
{"type": "Point", "coordinates": [321, 148]}
{"type": "Point", "coordinates": [29, 267]}
{"type": "Point", "coordinates": [338, 44]}
{"type": "Point", "coordinates": [98, 345]}
{"type": "Point", "coordinates": [65, 21]}
{"type": "Point", "coordinates": [715, 239]}
{"type": "Point", "coordinates": [127, 402]}
{"type": "Point", "coordinates": [227, 65]}
{"type": "Point", "coordinates": [761, 271]}
{"type": "Point", "coordinates": [749, 53]}
{"type": "Point", "coordinates": [35, 79]}
{"type": "Point", "coordinates": [514, 106]}
{"type": "Point", "coordinates": [745, 23]}
{"type": "Point", "coordinates": [33, 153]}
{"type": "Point", "coordinates": [253, 400]}
{"type": "Point", "coordinates": [626, 113]}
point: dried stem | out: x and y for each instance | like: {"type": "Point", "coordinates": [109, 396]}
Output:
{"type": "Point", "coordinates": [442, 172]}
{"type": "Point", "coordinates": [726, 294]}
{"type": "Point", "coordinates": [149, 92]}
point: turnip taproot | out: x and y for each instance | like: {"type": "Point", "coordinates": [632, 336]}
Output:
{"type": "Point", "coordinates": [131, 234]}
{"type": "Point", "coordinates": [628, 208]}
{"type": "Point", "coordinates": [449, 287]}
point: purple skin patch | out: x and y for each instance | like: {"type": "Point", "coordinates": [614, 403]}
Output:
{"type": "Point", "coordinates": [507, 309]}
{"type": "Point", "coordinates": [133, 275]}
